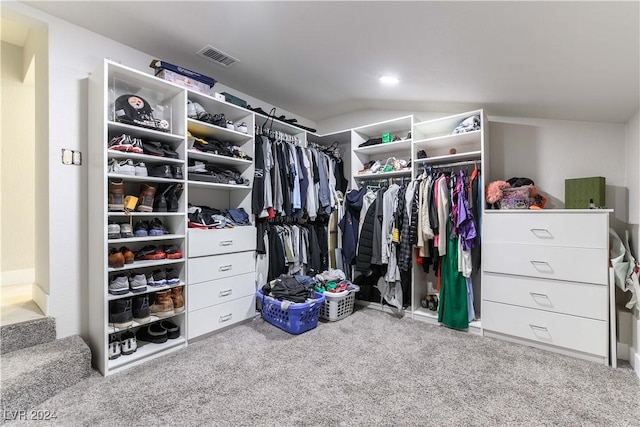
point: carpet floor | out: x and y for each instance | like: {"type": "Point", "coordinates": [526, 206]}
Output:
{"type": "Point", "coordinates": [370, 369]}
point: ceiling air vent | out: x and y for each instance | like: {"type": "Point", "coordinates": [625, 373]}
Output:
{"type": "Point", "coordinates": [217, 56]}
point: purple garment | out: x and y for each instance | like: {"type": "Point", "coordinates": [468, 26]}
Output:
{"type": "Point", "coordinates": [465, 226]}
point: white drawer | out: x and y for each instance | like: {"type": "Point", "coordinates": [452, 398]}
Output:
{"type": "Point", "coordinates": [578, 299]}
{"type": "Point", "coordinates": [575, 333]}
{"type": "Point", "coordinates": [548, 262]}
{"type": "Point", "coordinates": [219, 266]}
{"type": "Point", "coordinates": [214, 242]}
{"type": "Point", "coordinates": [214, 292]}
{"type": "Point", "coordinates": [584, 230]}
{"type": "Point", "coordinates": [218, 316]}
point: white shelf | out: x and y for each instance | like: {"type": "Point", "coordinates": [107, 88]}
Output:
{"type": "Point", "coordinates": [112, 329]}
{"type": "Point", "coordinates": [426, 313]}
{"type": "Point", "coordinates": [143, 178]}
{"type": "Point", "coordinates": [451, 158]}
{"type": "Point", "coordinates": [146, 238]}
{"type": "Point", "coordinates": [150, 290]}
{"type": "Point", "coordinates": [384, 175]}
{"type": "Point", "coordinates": [146, 350]}
{"type": "Point", "coordinates": [393, 126]}
{"type": "Point", "coordinates": [144, 214]}
{"type": "Point", "coordinates": [144, 133]}
{"type": "Point", "coordinates": [146, 263]}
{"type": "Point", "coordinates": [447, 141]}
{"type": "Point", "coordinates": [208, 102]}
{"type": "Point", "coordinates": [213, 186]}
{"type": "Point", "coordinates": [385, 147]}
{"type": "Point", "coordinates": [218, 159]}
{"type": "Point", "coordinates": [147, 158]}
{"type": "Point", "coordinates": [442, 126]}
{"type": "Point", "coordinates": [203, 129]}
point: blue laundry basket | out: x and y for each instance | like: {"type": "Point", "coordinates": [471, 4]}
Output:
{"type": "Point", "coordinates": [296, 319]}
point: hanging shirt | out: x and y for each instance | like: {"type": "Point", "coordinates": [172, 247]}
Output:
{"type": "Point", "coordinates": [389, 202]}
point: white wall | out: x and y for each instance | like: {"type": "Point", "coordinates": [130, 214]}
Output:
{"type": "Point", "coordinates": [17, 262]}
{"type": "Point", "coordinates": [633, 180]}
{"type": "Point", "coordinates": [73, 53]}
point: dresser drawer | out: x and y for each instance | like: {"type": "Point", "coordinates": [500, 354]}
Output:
{"type": "Point", "coordinates": [575, 333]}
{"type": "Point", "coordinates": [548, 262]}
{"type": "Point", "coordinates": [584, 230]}
{"type": "Point", "coordinates": [214, 292]}
{"type": "Point", "coordinates": [214, 242]}
{"type": "Point", "coordinates": [219, 266]}
{"type": "Point", "coordinates": [218, 316]}
{"type": "Point", "coordinates": [578, 299]}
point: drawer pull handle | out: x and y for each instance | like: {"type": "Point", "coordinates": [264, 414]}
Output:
{"type": "Point", "coordinates": [225, 293]}
{"type": "Point", "coordinates": [542, 266]}
{"type": "Point", "coordinates": [535, 294]}
{"type": "Point", "coordinates": [539, 328]}
{"type": "Point", "coordinates": [226, 243]}
{"type": "Point", "coordinates": [226, 317]}
{"type": "Point", "coordinates": [542, 233]}
{"type": "Point", "coordinates": [225, 267]}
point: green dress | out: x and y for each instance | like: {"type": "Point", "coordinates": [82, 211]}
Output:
{"type": "Point", "coordinates": [452, 309]}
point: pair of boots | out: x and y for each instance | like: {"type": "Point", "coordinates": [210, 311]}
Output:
{"type": "Point", "coordinates": [167, 201]}
{"type": "Point", "coordinates": [167, 303]}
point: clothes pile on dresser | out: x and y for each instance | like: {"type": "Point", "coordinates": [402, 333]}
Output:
{"type": "Point", "coordinates": [434, 218]}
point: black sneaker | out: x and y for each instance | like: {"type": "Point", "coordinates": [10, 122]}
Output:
{"type": "Point", "coordinates": [172, 277]}
{"type": "Point", "coordinates": [128, 343]}
{"type": "Point", "coordinates": [168, 151]}
{"type": "Point", "coordinates": [157, 228]}
{"type": "Point", "coordinates": [141, 229]}
{"type": "Point", "coordinates": [173, 330]}
{"type": "Point", "coordinates": [177, 172]}
{"type": "Point", "coordinates": [153, 148]}
{"type": "Point", "coordinates": [173, 195]}
{"type": "Point", "coordinates": [160, 171]}
{"type": "Point", "coordinates": [141, 308]}
{"type": "Point", "coordinates": [120, 315]}
{"type": "Point", "coordinates": [115, 348]}
{"type": "Point", "coordinates": [153, 333]}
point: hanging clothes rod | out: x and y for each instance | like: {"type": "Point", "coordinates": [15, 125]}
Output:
{"type": "Point", "coordinates": [455, 164]}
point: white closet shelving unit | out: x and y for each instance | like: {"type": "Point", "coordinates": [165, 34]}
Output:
{"type": "Point", "coordinates": [221, 263]}
{"type": "Point", "coordinates": [108, 82]}
{"type": "Point", "coordinates": [435, 137]}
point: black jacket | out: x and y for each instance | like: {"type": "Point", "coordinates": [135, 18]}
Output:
{"type": "Point", "coordinates": [365, 242]}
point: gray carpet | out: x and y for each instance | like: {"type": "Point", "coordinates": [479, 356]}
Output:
{"type": "Point", "coordinates": [368, 369]}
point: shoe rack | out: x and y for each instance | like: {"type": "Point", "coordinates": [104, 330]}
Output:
{"type": "Point", "coordinates": [106, 189]}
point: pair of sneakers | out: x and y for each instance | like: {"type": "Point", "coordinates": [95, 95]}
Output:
{"type": "Point", "coordinates": [153, 228]}
{"type": "Point", "coordinates": [238, 126]}
{"type": "Point", "coordinates": [126, 143]}
{"type": "Point", "coordinates": [119, 231]}
{"type": "Point", "coordinates": [123, 283]}
{"type": "Point", "coordinates": [128, 167]}
{"type": "Point", "coordinates": [122, 344]}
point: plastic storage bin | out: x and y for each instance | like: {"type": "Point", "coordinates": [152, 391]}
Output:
{"type": "Point", "coordinates": [296, 319]}
{"type": "Point", "coordinates": [339, 305]}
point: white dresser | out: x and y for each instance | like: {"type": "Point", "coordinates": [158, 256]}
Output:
{"type": "Point", "coordinates": [545, 280]}
{"type": "Point", "coordinates": [221, 278]}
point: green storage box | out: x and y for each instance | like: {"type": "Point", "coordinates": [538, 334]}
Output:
{"type": "Point", "coordinates": [578, 192]}
{"type": "Point", "coordinates": [386, 137]}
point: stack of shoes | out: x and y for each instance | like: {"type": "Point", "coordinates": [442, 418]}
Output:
{"type": "Point", "coordinates": [197, 112]}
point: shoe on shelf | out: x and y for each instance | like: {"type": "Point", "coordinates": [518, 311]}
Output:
{"type": "Point", "coordinates": [145, 201]}
{"type": "Point", "coordinates": [157, 228]}
{"type": "Point", "coordinates": [153, 148]}
{"type": "Point", "coordinates": [151, 252]}
{"type": "Point", "coordinates": [230, 125]}
{"type": "Point", "coordinates": [115, 348]}
{"type": "Point", "coordinates": [120, 314]}
{"type": "Point", "coordinates": [160, 202]}
{"type": "Point", "coordinates": [141, 169]}
{"type": "Point", "coordinates": [119, 284]}
{"type": "Point", "coordinates": [125, 143]}
{"type": "Point", "coordinates": [178, 299]}
{"type": "Point", "coordinates": [116, 259]}
{"type": "Point", "coordinates": [173, 195]}
{"type": "Point", "coordinates": [173, 330]}
{"type": "Point", "coordinates": [162, 305]}
{"type": "Point", "coordinates": [173, 251]}
{"type": "Point", "coordinates": [140, 308]}
{"type": "Point", "coordinates": [161, 171]}
{"type": "Point", "coordinates": [241, 127]}
{"type": "Point", "coordinates": [137, 282]}
{"type": "Point", "coordinates": [128, 255]}
{"type": "Point", "coordinates": [126, 231]}
{"type": "Point", "coordinates": [141, 229]}
{"type": "Point", "coordinates": [116, 195]}
{"type": "Point", "coordinates": [153, 333]}
{"type": "Point", "coordinates": [114, 231]}
{"type": "Point", "coordinates": [156, 278]}
{"type": "Point", "coordinates": [128, 343]}
{"type": "Point", "coordinates": [122, 167]}
{"type": "Point", "coordinates": [177, 172]}
{"type": "Point", "coordinates": [169, 151]}
{"type": "Point", "coordinates": [172, 276]}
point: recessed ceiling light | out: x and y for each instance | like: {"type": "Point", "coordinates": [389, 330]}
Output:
{"type": "Point", "coordinates": [389, 80]}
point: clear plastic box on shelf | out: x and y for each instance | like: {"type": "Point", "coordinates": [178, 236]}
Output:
{"type": "Point", "coordinates": [131, 104]}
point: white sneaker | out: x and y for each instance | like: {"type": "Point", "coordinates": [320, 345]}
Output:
{"type": "Point", "coordinates": [115, 348]}
{"type": "Point", "coordinates": [128, 343]}
{"type": "Point", "coordinates": [230, 125]}
{"type": "Point", "coordinates": [138, 283]}
{"type": "Point", "coordinates": [113, 231]}
{"type": "Point", "coordinates": [241, 127]}
{"type": "Point", "coordinates": [123, 167]}
{"type": "Point", "coordinates": [141, 169]}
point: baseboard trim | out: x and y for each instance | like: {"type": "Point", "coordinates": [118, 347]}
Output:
{"type": "Point", "coordinates": [40, 298]}
{"type": "Point", "coordinates": [624, 351]}
{"type": "Point", "coordinates": [634, 359]}
{"type": "Point", "coordinates": [18, 277]}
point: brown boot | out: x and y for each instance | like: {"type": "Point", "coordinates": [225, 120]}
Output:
{"type": "Point", "coordinates": [128, 254]}
{"type": "Point", "coordinates": [116, 195]}
{"type": "Point", "coordinates": [116, 258]}
{"type": "Point", "coordinates": [145, 201]}
{"type": "Point", "coordinates": [162, 305]}
{"type": "Point", "coordinates": [178, 299]}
